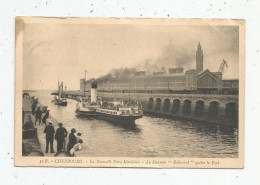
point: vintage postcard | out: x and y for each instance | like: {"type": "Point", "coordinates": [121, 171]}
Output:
{"type": "Point", "coordinates": [117, 92]}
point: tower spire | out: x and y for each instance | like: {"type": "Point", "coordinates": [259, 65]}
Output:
{"type": "Point", "coordinates": [199, 58]}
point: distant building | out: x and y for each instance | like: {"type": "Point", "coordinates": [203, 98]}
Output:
{"type": "Point", "coordinates": [162, 72]}
{"type": "Point", "coordinates": [158, 73]}
{"type": "Point", "coordinates": [230, 83]}
{"type": "Point", "coordinates": [202, 79]}
{"type": "Point", "coordinates": [191, 80]}
{"type": "Point", "coordinates": [139, 73]}
{"type": "Point", "coordinates": [207, 80]}
{"type": "Point", "coordinates": [175, 70]}
{"type": "Point", "coordinates": [171, 79]}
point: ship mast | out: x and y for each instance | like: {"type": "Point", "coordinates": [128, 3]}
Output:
{"type": "Point", "coordinates": [58, 84]}
{"type": "Point", "coordinates": [61, 91]}
{"type": "Point", "coordinates": [129, 92]}
{"type": "Point", "coordinates": [85, 81]}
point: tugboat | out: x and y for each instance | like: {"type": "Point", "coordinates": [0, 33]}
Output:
{"type": "Point", "coordinates": [59, 100]}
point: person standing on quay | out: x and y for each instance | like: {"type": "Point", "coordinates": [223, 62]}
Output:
{"type": "Point", "coordinates": [61, 134]}
{"type": "Point", "coordinates": [72, 140]}
{"type": "Point", "coordinates": [32, 99]}
{"type": "Point", "coordinates": [49, 131]}
{"type": "Point", "coordinates": [33, 108]}
{"type": "Point", "coordinates": [38, 115]}
{"type": "Point", "coordinates": [45, 117]}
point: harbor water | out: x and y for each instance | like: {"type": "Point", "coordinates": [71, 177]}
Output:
{"type": "Point", "coordinates": [149, 137]}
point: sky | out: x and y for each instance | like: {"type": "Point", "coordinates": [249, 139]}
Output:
{"type": "Point", "coordinates": [64, 51]}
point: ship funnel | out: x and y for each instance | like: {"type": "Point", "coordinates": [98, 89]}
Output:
{"type": "Point", "coordinates": [94, 93]}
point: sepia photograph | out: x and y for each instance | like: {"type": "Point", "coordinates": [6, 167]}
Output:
{"type": "Point", "coordinates": [115, 92]}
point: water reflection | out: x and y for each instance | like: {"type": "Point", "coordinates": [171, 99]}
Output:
{"type": "Point", "coordinates": [128, 128]}
{"type": "Point", "coordinates": [125, 127]}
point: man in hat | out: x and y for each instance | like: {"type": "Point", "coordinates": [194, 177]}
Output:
{"type": "Point", "coordinates": [49, 131]}
{"type": "Point", "coordinates": [61, 134]}
{"type": "Point", "coordinates": [72, 140]}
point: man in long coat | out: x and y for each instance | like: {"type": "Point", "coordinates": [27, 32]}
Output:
{"type": "Point", "coordinates": [33, 108]}
{"type": "Point", "coordinates": [49, 131]}
{"type": "Point", "coordinates": [61, 134]}
{"type": "Point", "coordinates": [38, 116]}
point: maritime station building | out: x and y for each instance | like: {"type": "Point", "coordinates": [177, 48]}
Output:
{"type": "Point", "coordinates": [171, 80]}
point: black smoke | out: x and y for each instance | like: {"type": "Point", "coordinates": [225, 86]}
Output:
{"type": "Point", "coordinates": [176, 56]}
{"type": "Point", "coordinates": [172, 56]}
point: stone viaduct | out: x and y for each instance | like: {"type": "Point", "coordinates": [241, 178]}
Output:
{"type": "Point", "coordinates": [216, 109]}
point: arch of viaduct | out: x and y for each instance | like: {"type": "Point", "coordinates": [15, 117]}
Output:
{"type": "Point", "coordinates": [212, 108]}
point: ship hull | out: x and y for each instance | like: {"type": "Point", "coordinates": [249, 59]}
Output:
{"type": "Point", "coordinates": [61, 103]}
{"type": "Point", "coordinates": [107, 117]}
{"type": "Point", "coordinates": [119, 119]}
{"type": "Point", "coordinates": [86, 114]}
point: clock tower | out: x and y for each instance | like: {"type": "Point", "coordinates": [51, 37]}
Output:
{"type": "Point", "coordinates": [199, 59]}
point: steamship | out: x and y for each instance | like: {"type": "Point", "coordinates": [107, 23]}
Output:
{"type": "Point", "coordinates": [113, 111]}
{"type": "Point", "coordinates": [119, 112]}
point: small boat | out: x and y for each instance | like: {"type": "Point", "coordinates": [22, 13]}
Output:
{"type": "Point", "coordinates": [59, 100]}
{"type": "Point", "coordinates": [119, 112]}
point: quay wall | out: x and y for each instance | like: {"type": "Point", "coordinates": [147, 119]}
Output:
{"type": "Point", "coordinates": [213, 109]}
{"type": "Point", "coordinates": [30, 139]}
